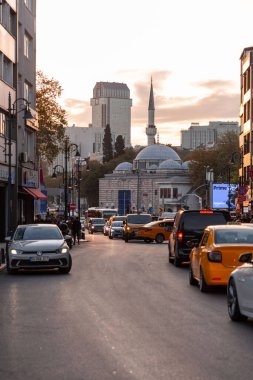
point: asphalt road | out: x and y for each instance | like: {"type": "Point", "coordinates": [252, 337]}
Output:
{"type": "Point", "coordinates": [122, 313]}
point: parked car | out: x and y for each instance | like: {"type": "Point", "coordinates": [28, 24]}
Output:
{"type": "Point", "coordinates": [116, 230]}
{"type": "Point", "coordinates": [158, 231]}
{"type": "Point", "coordinates": [218, 254]}
{"type": "Point", "coordinates": [189, 226]}
{"type": "Point", "coordinates": [96, 225]}
{"type": "Point", "coordinates": [106, 228]}
{"type": "Point", "coordinates": [239, 290]}
{"type": "Point", "coordinates": [133, 223]}
{"type": "Point", "coordinates": [40, 246]}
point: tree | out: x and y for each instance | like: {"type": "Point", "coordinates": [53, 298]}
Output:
{"type": "Point", "coordinates": [51, 117]}
{"type": "Point", "coordinates": [107, 144]}
{"type": "Point", "coordinates": [119, 145]}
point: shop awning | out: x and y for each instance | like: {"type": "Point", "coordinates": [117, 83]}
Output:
{"type": "Point", "coordinates": [35, 193]}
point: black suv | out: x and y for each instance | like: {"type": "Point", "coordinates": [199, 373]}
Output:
{"type": "Point", "coordinates": [187, 230]}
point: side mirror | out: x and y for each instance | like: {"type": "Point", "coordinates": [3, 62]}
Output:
{"type": "Point", "coordinates": [7, 239]}
{"type": "Point", "coordinates": [245, 257]}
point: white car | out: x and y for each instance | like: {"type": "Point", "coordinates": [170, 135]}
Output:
{"type": "Point", "coordinates": [239, 290]}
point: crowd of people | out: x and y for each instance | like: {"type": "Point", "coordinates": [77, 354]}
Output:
{"type": "Point", "coordinates": [72, 226]}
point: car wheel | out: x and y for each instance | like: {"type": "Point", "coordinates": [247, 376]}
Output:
{"type": "Point", "coordinates": [192, 279]}
{"type": "Point", "coordinates": [177, 262]}
{"type": "Point", "coordinates": [170, 258]}
{"type": "Point", "coordinates": [68, 268]}
{"type": "Point", "coordinates": [126, 238]}
{"type": "Point", "coordinates": [159, 238]}
{"type": "Point", "coordinates": [203, 287]}
{"type": "Point", "coordinates": [232, 302]}
{"type": "Point", "coordinates": [110, 237]}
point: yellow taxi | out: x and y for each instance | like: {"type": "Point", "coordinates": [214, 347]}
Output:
{"type": "Point", "coordinates": [158, 231]}
{"type": "Point", "coordinates": [217, 254]}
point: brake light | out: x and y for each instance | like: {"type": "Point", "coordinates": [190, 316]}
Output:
{"type": "Point", "coordinates": [215, 256]}
{"type": "Point", "coordinates": [180, 235]}
{"type": "Point", "coordinates": [206, 212]}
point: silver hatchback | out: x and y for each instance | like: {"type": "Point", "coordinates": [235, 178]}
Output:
{"type": "Point", "coordinates": [39, 246]}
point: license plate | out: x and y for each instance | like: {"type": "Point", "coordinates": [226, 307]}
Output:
{"type": "Point", "coordinates": [39, 258]}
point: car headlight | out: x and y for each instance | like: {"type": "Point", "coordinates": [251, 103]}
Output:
{"type": "Point", "coordinates": [14, 251]}
{"type": "Point", "coordinates": [62, 250]}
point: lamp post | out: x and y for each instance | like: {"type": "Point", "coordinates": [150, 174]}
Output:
{"type": "Point", "coordinates": [65, 183]}
{"type": "Point", "coordinates": [12, 112]}
{"type": "Point", "coordinates": [68, 147]}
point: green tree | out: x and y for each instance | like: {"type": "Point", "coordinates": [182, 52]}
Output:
{"type": "Point", "coordinates": [119, 145]}
{"type": "Point", "coordinates": [51, 117]}
{"type": "Point", "coordinates": [107, 144]}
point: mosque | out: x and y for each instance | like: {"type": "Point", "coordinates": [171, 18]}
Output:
{"type": "Point", "coordinates": [156, 181]}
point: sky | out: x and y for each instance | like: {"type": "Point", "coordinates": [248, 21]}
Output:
{"type": "Point", "coordinates": [190, 48]}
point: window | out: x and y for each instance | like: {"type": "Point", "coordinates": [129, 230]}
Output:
{"type": "Point", "coordinates": [28, 3]}
{"type": "Point", "coordinates": [175, 192]}
{"type": "Point", "coordinates": [27, 46]}
{"type": "Point", "coordinates": [28, 91]}
{"type": "Point", "coordinates": [6, 69]}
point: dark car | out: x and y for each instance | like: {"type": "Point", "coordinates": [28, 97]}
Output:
{"type": "Point", "coordinates": [188, 229]}
{"type": "Point", "coordinates": [96, 225]}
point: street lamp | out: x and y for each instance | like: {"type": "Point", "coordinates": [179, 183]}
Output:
{"type": "Point", "coordinates": [12, 112]}
{"type": "Point", "coordinates": [54, 175]}
{"type": "Point", "coordinates": [68, 147]}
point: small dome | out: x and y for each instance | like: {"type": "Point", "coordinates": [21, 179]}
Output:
{"type": "Point", "coordinates": [185, 164]}
{"type": "Point", "coordinates": [170, 164]}
{"type": "Point", "coordinates": [124, 166]}
{"type": "Point", "coordinates": [157, 152]}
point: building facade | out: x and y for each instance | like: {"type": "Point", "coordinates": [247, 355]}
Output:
{"type": "Point", "coordinates": [18, 163]}
{"type": "Point", "coordinates": [246, 138]}
{"type": "Point", "coordinates": [111, 104]}
{"type": "Point", "coordinates": [206, 135]}
{"type": "Point", "coordinates": [156, 181]}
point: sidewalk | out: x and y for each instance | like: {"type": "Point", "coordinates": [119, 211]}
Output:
{"type": "Point", "coordinates": [2, 266]}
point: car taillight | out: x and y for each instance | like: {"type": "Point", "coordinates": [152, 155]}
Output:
{"type": "Point", "coordinates": [214, 256]}
{"type": "Point", "coordinates": [180, 235]}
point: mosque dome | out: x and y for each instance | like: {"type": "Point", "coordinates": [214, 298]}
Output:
{"type": "Point", "coordinates": [157, 152]}
{"type": "Point", "coordinates": [124, 166]}
{"type": "Point", "coordinates": [170, 164]}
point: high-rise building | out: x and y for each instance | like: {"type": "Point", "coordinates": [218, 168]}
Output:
{"type": "Point", "coordinates": [206, 135]}
{"type": "Point", "coordinates": [17, 91]}
{"type": "Point", "coordinates": [111, 104]}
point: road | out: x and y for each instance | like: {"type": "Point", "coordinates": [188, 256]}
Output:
{"type": "Point", "coordinates": [122, 313]}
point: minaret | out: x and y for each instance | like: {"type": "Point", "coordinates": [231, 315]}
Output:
{"type": "Point", "coordinates": [151, 128]}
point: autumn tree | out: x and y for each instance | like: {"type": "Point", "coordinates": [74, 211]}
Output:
{"type": "Point", "coordinates": [107, 144]}
{"type": "Point", "coordinates": [51, 117]}
{"type": "Point", "coordinates": [119, 145]}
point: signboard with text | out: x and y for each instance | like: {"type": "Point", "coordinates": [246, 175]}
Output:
{"type": "Point", "coordinates": [220, 195]}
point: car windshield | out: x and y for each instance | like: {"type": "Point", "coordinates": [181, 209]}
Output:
{"type": "Point", "coordinates": [37, 233]}
{"type": "Point", "coordinates": [198, 221]}
{"type": "Point", "coordinates": [139, 219]}
{"type": "Point", "coordinates": [234, 236]}
{"type": "Point", "coordinates": [117, 224]}
{"type": "Point", "coordinates": [98, 221]}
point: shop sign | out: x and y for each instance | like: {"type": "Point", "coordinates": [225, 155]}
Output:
{"type": "Point", "coordinates": [29, 178]}
{"type": "Point", "coordinates": [4, 174]}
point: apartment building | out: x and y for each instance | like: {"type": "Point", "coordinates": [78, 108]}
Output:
{"type": "Point", "coordinates": [206, 135]}
{"type": "Point", "coordinates": [18, 163]}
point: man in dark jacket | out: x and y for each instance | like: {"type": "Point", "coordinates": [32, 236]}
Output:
{"type": "Point", "coordinates": [76, 230]}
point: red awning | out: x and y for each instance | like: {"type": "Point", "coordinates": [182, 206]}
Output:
{"type": "Point", "coordinates": [35, 193]}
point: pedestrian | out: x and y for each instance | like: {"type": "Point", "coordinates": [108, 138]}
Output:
{"type": "Point", "coordinates": [76, 230]}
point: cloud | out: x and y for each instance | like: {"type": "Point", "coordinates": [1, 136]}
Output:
{"type": "Point", "coordinates": [78, 111]}
{"type": "Point", "coordinates": [219, 84]}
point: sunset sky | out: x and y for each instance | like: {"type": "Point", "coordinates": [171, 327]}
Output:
{"type": "Point", "coordinates": [191, 48]}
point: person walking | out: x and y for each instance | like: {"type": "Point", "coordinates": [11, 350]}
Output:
{"type": "Point", "coordinates": [76, 230]}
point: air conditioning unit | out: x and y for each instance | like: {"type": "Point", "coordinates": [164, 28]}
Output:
{"type": "Point", "coordinates": [23, 157]}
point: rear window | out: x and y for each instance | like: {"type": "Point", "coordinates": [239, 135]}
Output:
{"type": "Point", "coordinates": [235, 236]}
{"type": "Point", "coordinates": [197, 221]}
{"type": "Point", "coordinates": [139, 219]}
